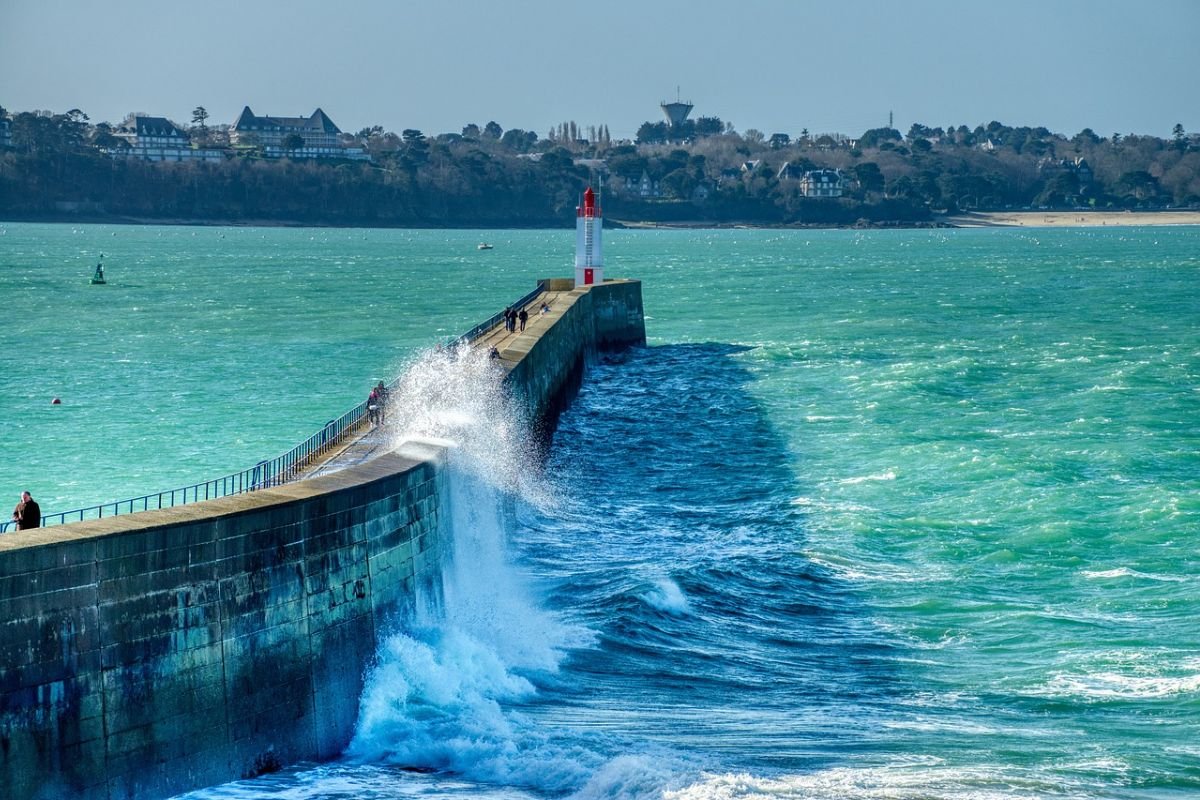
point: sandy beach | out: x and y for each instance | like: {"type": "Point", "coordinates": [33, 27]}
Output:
{"type": "Point", "coordinates": [1071, 219]}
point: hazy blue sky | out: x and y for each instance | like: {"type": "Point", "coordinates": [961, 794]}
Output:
{"type": "Point", "coordinates": [775, 65]}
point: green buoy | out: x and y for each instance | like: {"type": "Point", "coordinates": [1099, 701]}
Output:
{"type": "Point", "coordinates": [98, 277]}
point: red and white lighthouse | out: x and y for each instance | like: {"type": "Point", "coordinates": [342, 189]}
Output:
{"type": "Point", "coordinates": [589, 249]}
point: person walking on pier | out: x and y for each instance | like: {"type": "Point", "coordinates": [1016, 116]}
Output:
{"type": "Point", "coordinates": [27, 514]}
{"type": "Point", "coordinates": [381, 396]}
{"type": "Point", "coordinates": [524, 316]}
{"type": "Point", "coordinates": [507, 318]}
{"type": "Point", "coordinates": [373, 403]}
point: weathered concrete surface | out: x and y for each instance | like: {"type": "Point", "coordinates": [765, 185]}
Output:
{"type": "Point", "coordinates": [546, 364]}
{"type": "Point", "coordinates": [147, 654]}
{"type": "Point", "coordinates": [150, 653]}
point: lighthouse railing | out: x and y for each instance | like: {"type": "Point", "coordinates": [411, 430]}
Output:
{"type": "Point", "coordinates": [264, 474]}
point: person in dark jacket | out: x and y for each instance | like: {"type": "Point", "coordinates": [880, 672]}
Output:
{"type": "Point", "coordinates": [28, 514]}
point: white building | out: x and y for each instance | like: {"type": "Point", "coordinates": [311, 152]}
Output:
{"type": "Point", "coordinates": [319, 134]}
{"type": "Point", "coordinates": [822, 183]}
{"type": "Point", "coordinates": [159, 139]}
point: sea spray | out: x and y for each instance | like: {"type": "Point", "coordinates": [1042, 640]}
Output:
{"type": "Point", "coordinates": [438, 696]}
{"type": "Point", "coordinates": [666, 596]}
{"type": "Point", "coordinates": [457, 394]}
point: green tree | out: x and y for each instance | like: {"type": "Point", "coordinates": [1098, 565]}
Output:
{"type": "Point", "coordinates": [200, 124]}
{"type": "Point", "coordinates": [518, 141]}
{"type": "Point", "coordinates": [1085, 137]}
{"type": "Point", "coordinates": [652, 133]}
{"type": "Point", "coordinates": [493, 131]}
{"type": "Point", "coordinates": [1138, 183]}
{"type": "Point", "coordinates": [869, 176]}
{"type": "Point", "coordinates": [708, 126]}
{"type": "Point", "coordinates": [1177, 135]}
{"type": "Point", "coordinates": [877, 136]}
{"type": "Point", "coordinates": [678, 183]}
{"type": "Point", "coordinates": [293, 142]}
{"type": "Point", "coordinates": [919, 131]}
{"type": "Point", "coordinates": [416, 147]}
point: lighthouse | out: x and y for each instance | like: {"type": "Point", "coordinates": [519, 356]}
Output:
{"type": "Point", "coordinates": [589, 251]}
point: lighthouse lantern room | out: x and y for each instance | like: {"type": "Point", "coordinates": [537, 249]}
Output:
{"type": "Point", "coordinates": [589, 250]}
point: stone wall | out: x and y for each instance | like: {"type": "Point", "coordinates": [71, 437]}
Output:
{"type": "Point", "coordinates": [147, 654]}
{"type": "Point", "coordinates": [548, 368]}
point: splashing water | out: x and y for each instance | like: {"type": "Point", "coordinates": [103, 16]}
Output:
{"type": "Point", "coordinates": [666, 596]}
{"type": "Point", "coordinates": [437, 698]}
{"type": "Point", "coordinates": [456, 394]}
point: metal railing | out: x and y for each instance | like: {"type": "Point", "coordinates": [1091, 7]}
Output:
{"type": "Point", "coordinates": [264, 474]}
{"type": "Point", "coordinates": [495, 319]}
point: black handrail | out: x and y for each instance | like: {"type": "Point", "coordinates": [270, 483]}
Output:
{"type": "Point", "coordinates": [264, 474]}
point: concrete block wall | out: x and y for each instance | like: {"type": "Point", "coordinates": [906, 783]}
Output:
{"type": "Point", "coordinates": [607, 316]}
{"type": "Point", "coordinates": [144, 655]}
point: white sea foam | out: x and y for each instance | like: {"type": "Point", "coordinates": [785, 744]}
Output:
{"type": "Point", "coordinates": [890, 475]}
{"type": "Point", "coordinates": [666, 596]}
{"type": "Point", "coordinates": [1111, 685]}
{"type": "Point", "coordinates": [927, 779]}
{"type": "Point", "coordinates": [447, 692]}
{"type": "Point", "coordinates": [1126, 572]}
{"type": "Point", "coordinates": [455, 393]}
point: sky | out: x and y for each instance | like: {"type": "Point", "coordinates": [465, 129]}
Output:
{"type": "Point", "coordinates": [777, 66]}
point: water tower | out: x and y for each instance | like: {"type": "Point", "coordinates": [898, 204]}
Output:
{"type": "Point", "coordinates": [677, 112]}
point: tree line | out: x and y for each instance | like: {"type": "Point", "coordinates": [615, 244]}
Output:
{"type": "Point", "coordinates": [57, 165]}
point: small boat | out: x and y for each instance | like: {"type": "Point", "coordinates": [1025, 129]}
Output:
{"type": "Point", "coordinates": [98, 276]}
{"type": "Point", "coordinates": [484, 246]}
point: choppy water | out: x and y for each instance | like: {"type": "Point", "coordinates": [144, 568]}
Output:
{"type": "Point", "coordinates": [903, 514]}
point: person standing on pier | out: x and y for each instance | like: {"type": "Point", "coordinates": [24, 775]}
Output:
{"type": "Point", "coordinates": [524, 317]}
{"type": "Point", "coordinates": [381, 396]}
{"type": "Point", "coordinates": [373, 406]}
{"type": "Point", "coordinates": [27, 514]}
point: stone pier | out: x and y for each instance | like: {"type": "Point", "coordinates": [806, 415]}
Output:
{"type": "Point", "coordinates": [147, 654]}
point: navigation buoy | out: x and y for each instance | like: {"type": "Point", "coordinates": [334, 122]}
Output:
{"type": "Point", "coordinates": [56, 402]}
{"type": "Point", "coordinates": [589, 250]}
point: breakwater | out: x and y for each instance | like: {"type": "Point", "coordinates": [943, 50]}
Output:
{"type": "Point", "coordinates": [146, 654]}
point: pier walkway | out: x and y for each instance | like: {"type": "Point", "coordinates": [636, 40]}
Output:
{"type": "Point", "coordinates": [375, 440]}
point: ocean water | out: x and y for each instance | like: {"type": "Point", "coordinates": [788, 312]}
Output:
{"type": "Point", "coordinates": [876, 514]}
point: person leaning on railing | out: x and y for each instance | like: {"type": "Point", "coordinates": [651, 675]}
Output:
{"type": "Point", "coordinates": [27, 514]}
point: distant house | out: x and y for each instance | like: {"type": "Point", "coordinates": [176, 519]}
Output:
{"type": "Point", "coordinates": [988, 146]}
{"type": "Point", "coordinates": [1077, 166]}
{"type": "Point", "coordinates": [1083, 171]}
{"type": "Point", "coordinates": [791, 172]}
{"type": "Point", "coordinates": [728, 176]}
{"type": "Point", "coordinates": [751, 165]}
{"type": "Point", "coordinates": [158, 139]}
{"type": "Point", "coordinates": [643, 186]}
{"type": "Point", "coordinates": [822, 183]}
{"type": "Point", "coordinates": [317, 131]}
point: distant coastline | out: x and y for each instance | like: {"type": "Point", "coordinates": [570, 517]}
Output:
{"type": "Point", "coordinates": [1071, 219]}
{"type": "Point", "coordinates": [977, 219]}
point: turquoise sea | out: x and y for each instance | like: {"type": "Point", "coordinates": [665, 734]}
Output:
{"type": "Point", "coordinates": [876, 514]}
